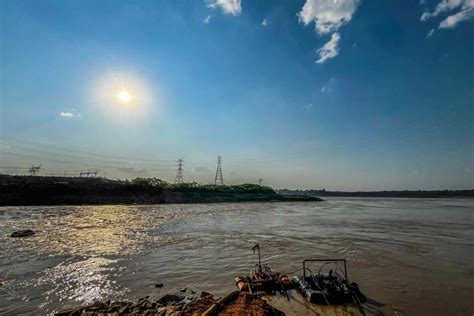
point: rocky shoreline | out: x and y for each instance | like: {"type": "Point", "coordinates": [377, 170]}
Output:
{"type": "Point", "coordinates": [185, 303]}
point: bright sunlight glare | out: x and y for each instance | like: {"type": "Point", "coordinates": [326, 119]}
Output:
{"type": "Point", "coordinates": [124, 96]}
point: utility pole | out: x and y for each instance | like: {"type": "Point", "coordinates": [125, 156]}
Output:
{"type": "Point", "coordinates": [179, 172]}
{"type": "Point", "coordinates": [218, 179]}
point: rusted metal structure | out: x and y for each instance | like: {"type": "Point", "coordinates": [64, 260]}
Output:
{"type": "Point", "coordinates": [263, 279]}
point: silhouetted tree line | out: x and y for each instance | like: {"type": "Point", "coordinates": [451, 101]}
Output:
{"type": "Point", "coordinates": [404, 193]}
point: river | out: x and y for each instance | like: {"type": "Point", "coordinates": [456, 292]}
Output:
{"type": "Point", "coordinates": [410, 256]}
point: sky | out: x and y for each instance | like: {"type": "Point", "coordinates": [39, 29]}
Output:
{"type": "Point", "coordinates": [340, 95]}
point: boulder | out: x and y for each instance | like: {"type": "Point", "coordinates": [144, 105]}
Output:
{"type": "Point", "coordinates": [23, 233]}
{"type": "Point", "coordinates": [168, 299]}
{"type": "Point", "coordinates": [204, 294]}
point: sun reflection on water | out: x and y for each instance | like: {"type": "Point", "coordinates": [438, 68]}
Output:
{"type": "Point", "coordinates": [98, 230]}
{"type": "Point", "coordinates": [80, 251]}
{"type": "Point", "coordinates": [81, 281]}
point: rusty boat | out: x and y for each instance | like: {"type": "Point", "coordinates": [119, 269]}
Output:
{"type": "Point", "coordinates": [263, 279]}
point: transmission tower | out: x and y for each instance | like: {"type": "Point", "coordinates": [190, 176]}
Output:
{"type": "Point", "coordinates": [218, 179]}
{"type": "Point", "coordinates": [34, 170]}
{"type": "Point", "coordinates": [179, 172]}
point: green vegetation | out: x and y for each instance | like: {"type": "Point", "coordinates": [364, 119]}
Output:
{"type": "Point", "coordinates": [148, 183]}
{"type": "Point", "coordinates": [27, 190]}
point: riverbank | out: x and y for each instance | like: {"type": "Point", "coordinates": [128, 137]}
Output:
{"type": "Point", "coordinates": [185, 303]}
{"type": "Point", "coordinates": [37, 190]}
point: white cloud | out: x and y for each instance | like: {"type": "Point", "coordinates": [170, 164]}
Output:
{"type": "Point", "coordinates": [233, 7]}
{"type": "Point", "coordinates": [430, 33]}
{"type": "Point", "coordinates": [66, 114]}
{"type": "Point", "coordinates": [453, 20]}
{"type": "Point", "coordinates": [265, 22]}
{"type": "Point", "coordinates": [443, 6]}
{"type": "Point", "coordinates": [207, 20]}
{"type": "Point", "coordinates": [465, 12]}
{"type": "Point", "coordinates": [327, 15]}
{"type": "Point", "coordinates": [330, 49]}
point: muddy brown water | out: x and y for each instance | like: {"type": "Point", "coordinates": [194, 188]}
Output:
{"type": "Point", "coordinates": [410, 256]}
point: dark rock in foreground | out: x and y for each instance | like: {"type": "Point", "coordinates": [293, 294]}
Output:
{"type": "Point", "coordinates": [236, 303]}
{"type": "Point", "coordinates": [22, 233]}
{"type": "Point", "coordinates": [170, 299]}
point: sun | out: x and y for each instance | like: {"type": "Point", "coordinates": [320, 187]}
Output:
{"type": "Point", "coordinates": [124, 96]}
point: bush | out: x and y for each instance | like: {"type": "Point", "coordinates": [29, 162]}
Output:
{"type": "Point", "coordinates": [194, 187]}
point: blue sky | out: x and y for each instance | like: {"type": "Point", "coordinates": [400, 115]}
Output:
{"type": "Point", "coordinates": [347, 95]}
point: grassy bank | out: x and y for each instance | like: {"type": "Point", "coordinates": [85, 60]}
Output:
{"type": "Point", "coordinates": [36, 190]}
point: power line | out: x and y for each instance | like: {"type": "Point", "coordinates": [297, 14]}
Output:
{"type": "Point", "coordinates": [70, 162]}
{"type": "Point", "coordinates": [47, 154]}
{"type": "Point", "coordinates": [218, 180]}
{"type": "Point", "coordinates": [14, 168]}
{"type": "Point", "coordinates": [55, 149]}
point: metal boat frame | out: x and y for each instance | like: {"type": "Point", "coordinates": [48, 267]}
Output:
{"type": "Point", "coordinates": [331, 288]}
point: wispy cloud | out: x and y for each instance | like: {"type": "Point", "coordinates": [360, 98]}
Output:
{"type": "Point", "coordinates": [207, 19]}
{"type": "Point", "coordinates": [308, 106]}
{"type": "Point", "coordinates": [465, 11]}
{"type": "Point", "coordinates": [233, 7]}
{"type": "Point", "coordinates": [453, 20]}
{"type": "Point", "coordinates": [67, 115]}
{"type": "Point", "coordinates": [330, 49]}
{"type": "Point", "coordinates": [328, 17]}
{"type": "Point", "coordinates": [265, 22]}
{"type": "Point", "coordinates": [430, 33]}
